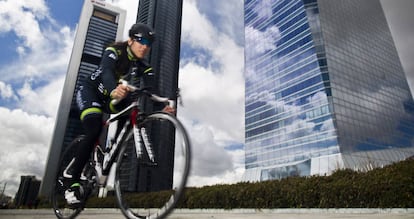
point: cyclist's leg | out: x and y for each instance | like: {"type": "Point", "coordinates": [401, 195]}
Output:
{"type": "Point", "coordinates": [90, 107]}
{"type": "Point", "coordinates": [91, 118]}
{"type": "Point", "coordinates": [61, 207]}
{"type": "Point", "coordinates": [92, 125]}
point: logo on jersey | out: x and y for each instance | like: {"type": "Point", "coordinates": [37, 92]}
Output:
{"type": "Point", "coordinates": [102, 89]}
{"type": "Point", "coordinates": [96, 104]}
{"type": "Point", "coordinates": [112, 56]}
{"type": "Point", "coordinates": [96, 74]}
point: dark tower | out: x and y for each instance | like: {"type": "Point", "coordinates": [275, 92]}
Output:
{"type": "Point", "coordinates": [27, 193]}
{"type": "Point", "coordinates": [165, 18]}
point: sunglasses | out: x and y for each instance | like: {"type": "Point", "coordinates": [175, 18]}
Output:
{"type": "Point", "coordinates": [143, 41]}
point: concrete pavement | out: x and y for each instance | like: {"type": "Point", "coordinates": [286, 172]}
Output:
{"type": "Point", "coordinates": [227, 214]}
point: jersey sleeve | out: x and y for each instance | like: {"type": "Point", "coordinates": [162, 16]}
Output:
{"type": "Point", "coordinates": [108, 66]}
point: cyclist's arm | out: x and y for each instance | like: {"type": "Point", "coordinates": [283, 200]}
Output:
{"type": "Point", "coordinates": [109, 79]}
{"type": "Point", "coordinates": [108, 63]}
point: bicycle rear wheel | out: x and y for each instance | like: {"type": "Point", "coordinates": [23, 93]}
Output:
{"type": "Point", "coordinates": [60, 207]}
{"type": "Point", "coordinates": [148, 188]}
{"type": "Point", "coordinates": [88, 181]}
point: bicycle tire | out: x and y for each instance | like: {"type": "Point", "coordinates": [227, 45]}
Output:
{"type": "Point", "coordinates": [126, 198]}
{"type": "Point", "coordinates": [60, 207]}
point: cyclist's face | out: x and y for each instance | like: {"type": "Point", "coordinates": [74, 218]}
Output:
{"type": "Point", "coordinates": [138, 48]}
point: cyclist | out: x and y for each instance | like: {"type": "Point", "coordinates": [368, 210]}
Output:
{"type": "Point", "coordinates": [119, 60]}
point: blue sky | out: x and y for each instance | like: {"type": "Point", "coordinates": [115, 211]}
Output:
{"type": "Point", "coordinates": [37, 38]}
{"type": "Point", "coordinates": [65, 11]}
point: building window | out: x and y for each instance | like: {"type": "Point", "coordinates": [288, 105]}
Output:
{"type": "Point", "coordinates": [104, 15]}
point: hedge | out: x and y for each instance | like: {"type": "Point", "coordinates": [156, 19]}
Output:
{"type": "Point", "coordinates": [388, 187]}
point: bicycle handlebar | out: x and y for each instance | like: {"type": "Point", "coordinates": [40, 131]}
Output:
{"type": "Point", "coordinates": [152, 96]}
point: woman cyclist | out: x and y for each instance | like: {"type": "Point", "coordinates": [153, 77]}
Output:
{"type": "Point", "coordinates": [120, 60]}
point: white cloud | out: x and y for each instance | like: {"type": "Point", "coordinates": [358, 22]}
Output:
{"type": "Point", "coordinates": [196, 29]}
{"type": "Point", "coordinates": [259, 42]}
{"type": "Point", "coordinates": [39, 40]}
{"type": "Point", "coordinates": [213, 100]}
{"type": "Point", "coordinates": [6, 91]}
{"type": "Point", "coordinates": [264, 9]}
{"type": "Point", "coordinates": [44, 49]}
{"type": "Point", "coordinates": [24, 145]}
{"type": "Point", "coordinates": [131, 15]}
{"type": "Point", "coordinates": [21, 18]}
{"type": "Point", "coordinates": [43, 100]}
{"type": "Point", "coordinates": [211, 94]}
{"type": "Point", "coordinates": [55, 50]}
{"type": "Point", "coordinates": [225, 16]}
{"type": "Point", "coordinates": [211, 162]}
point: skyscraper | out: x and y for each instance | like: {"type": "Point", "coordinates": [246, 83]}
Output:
{"type": "Point", "coordinates": [324, 89]}
{"type": "Point", "coordinates": [100, 24]}
{"type": "Point", "coordinates": [27, 193]}
{"type": "Point", "coordinates": [165, 17]}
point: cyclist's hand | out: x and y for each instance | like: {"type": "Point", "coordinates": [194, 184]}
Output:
{"type": "Point", "coordinates": [169, 109]}
{"type": "Point", "coordinates": [120, 92]}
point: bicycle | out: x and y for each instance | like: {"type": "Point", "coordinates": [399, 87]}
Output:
{"type": "Point", "coordinates": [138, 127]}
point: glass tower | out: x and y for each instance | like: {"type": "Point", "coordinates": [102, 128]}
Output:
{"type": "Point", "coordinates": [324, 89]}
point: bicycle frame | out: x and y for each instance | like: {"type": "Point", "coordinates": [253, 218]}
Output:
{"type": "Point", "coordinates": [103, 170]}
{"type": "Point", "coordinates": [141, 139]}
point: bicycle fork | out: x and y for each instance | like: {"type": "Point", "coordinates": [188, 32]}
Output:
{"type": "Point", "coordinates": [141, 140]}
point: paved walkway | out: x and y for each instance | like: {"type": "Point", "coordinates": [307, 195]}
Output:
{"type": "Point", "coordinates": [229, 214]}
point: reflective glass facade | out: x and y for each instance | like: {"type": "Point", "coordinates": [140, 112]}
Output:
{"type": "Point", "coordinates": [324, 89]}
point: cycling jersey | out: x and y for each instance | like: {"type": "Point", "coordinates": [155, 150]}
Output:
{"type": "Point", "coordinates": [93, 96]}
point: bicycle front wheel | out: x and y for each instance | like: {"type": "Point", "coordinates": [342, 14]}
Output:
{"type": "Point", "coordinates": [148, 184]}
